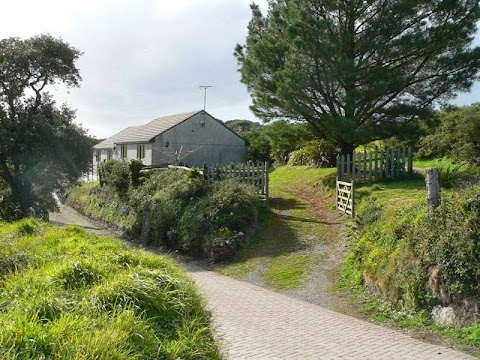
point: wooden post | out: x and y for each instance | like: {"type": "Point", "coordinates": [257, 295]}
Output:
{"type": "Point", "coordinates": [338, 165]}
{"type": "Point", "coordinates": [433, 189]}
{"type": "Point", "coordinates": [375, 175]}
{"type": "Point", "coordinates": [205, 169]}
{"type": "Point", "coordinates": [353, 166]}
{"type": "Point", "coordinates": [266, 180]}
{"type": "Point", "coordinates": [336, 194]}
{"type": "Point", "coordinates": [410, 160]}
{"type": "Point", "coordinates": [352, 197]}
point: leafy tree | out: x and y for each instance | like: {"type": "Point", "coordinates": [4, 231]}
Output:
{"type": "Point", "coordinates": [457, 135]}
{"type": "Point", "coordinates": [258, 145]}
{"type": "Point", "coordinates": [241, 127]}
{"type": "Point", "coordinates": [358, 71]}
{"type": "Point", "coordinates": [41, 148]}
{"type": "Point", "coordinates": [284, 138]}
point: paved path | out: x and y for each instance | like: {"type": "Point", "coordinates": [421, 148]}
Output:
{"type": "Point", "coordinates": [256, 323]}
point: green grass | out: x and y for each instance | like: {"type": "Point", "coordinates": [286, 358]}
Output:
{"type": "Point", "coordinates": [429, 163]}
{"type": "Point", "coordinates": [288, 271]}
{"type": "Point", "coordinates": [67, 294]}
{"type": "Point", "coordinates": [286, 229]}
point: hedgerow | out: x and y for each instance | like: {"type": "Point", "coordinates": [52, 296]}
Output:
{"type": "Point", "coordinates": [172, 208]}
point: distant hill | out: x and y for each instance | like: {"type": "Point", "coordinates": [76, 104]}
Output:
{"type": "Point", "coordinates": [241, 127]}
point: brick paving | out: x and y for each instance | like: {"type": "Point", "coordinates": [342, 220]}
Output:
{"type": "Point", "coordinates": [256, 323]}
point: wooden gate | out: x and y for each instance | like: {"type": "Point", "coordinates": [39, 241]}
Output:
{"type": "Point", "coordinates": [345, 197]}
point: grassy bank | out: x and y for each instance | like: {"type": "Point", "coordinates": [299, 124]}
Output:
{"type": "Point", "coordinates": [66, 294]}
{"type": "Point", "coordinates": [409, 261]}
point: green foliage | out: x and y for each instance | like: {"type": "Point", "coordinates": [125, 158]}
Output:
{"type": "Point", "coordinates": [135, 167]}
{"type": "Point", "coordinates": [91, 297]}
{"type": "Point", "coordinates": [117, 174]}
{"type": "Point", "coordinates": [242, 127]}
{"type": "Point", "coordinates": [259, 146]}
{"type": "Point", "coordinates": [284, 138]}
{"type": "Point", "coordinates": [41, 148]}
{"type": "Point", "coordinates": [319, 153]}
{"type": "Point", "coordinates": [456, 136]}
{"type": "Point", "coordinates": [180, 210]}
{"type": "Point", "coordinates": [357, 71]}
{"type": "Point", "coordinates": [418, 260]}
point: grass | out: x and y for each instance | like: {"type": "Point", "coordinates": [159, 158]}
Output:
{"type": "Point", "coordinates": [277, 254]}
{"type": "Point", "coordinates": [67, 294]}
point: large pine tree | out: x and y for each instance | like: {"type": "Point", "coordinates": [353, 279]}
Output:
{"type": "Point", "coordinates": [358, 70]}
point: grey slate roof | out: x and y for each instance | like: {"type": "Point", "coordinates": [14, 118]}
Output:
{"type": "Point", "coordinates": [155, 127]}
{"type": "Point", "coordinates": [144, 133]}
{"type": "Point", "coordinates": [110, 142]}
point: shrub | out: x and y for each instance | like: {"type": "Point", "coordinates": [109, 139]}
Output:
{"type": "Point", "coordinates": [115, 173]}
{"type": "Point", "coordinates": [135, 167]}
{"type": "Point", "coordinates": [319, 153]}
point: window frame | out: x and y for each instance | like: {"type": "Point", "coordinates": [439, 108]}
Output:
{"type": "Point", "coordinates": [140, 151]}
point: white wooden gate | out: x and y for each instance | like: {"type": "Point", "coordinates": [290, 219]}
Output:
{"type": "Point", "coordinates": [345, 197]}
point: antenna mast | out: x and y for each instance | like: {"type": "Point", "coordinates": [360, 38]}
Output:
{"type": "Point", "coordinates": [205, 88]}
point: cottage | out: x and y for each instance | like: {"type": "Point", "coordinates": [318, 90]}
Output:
{"type": "Point", "coordinates": [192, 139]}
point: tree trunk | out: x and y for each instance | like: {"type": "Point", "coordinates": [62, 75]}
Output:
{"type": "Point", "coordinates": [346, 149]}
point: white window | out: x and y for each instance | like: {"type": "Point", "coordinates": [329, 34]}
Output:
{"type": "Point", "coordinates": [97, 155]}
{"type": "Point", "coordinates": [141, 152]}
{"type": "Point", "coordinates": [123, 151]}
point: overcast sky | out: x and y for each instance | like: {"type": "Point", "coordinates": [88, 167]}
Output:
{"type": "Point", "coordinates": [145, 58]}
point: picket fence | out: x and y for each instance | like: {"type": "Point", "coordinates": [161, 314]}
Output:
{"type": "Point", "coordinates": [250, 173]}
{"type": "Point", "coordinates": [363, 167]}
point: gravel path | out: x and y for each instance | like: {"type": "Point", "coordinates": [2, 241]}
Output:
{"type": "Point", "coordinates": [256, 323]}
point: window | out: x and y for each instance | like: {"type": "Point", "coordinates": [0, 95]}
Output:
{"type": "Point", "coordinates": [109, 155]}
{"type": "Point", "coordinates": [123, 151]}
{"type": "Point", "coordinates": [97, 155]}
{"type": "Point", "coordinates": [140, 151]}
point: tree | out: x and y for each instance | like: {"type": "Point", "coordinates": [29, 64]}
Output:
{"type": "Point", "coordinates": [456, 136]}
{"type": "Point", "coordinates": [356, 70]}
{"type": "Point", "coordinates": [41, 148]}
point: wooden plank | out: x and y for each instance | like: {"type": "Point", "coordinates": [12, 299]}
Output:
{"type": "Point", "coordinates": [353, 165]}
{"type": "Point", "coordinates": [348, 165]}
{"type": "Point", "coordinates": [370, 178]}
{"type": "Point", "coordinates": [410, 160]}
{"type": "Point", "coordinates": [364, 166]}
{"type": "Point", "coordinates": [392, 163]}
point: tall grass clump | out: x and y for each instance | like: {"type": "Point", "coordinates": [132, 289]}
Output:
{"type": "Point", "coordinates": [72, 295]}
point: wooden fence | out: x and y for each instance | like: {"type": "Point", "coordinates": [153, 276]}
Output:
{"type": "Point", "coordinates": [254, 174]}
{"type": "Point", "coordinates": [345, 197]}
{"type": "Point", "coordinates": [375, 166]}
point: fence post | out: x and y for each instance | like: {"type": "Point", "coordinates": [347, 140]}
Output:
{"type": "Point", "coordinates": [205, 169]}
{"type": "Point", "coordinates": [266, 180]}
{"type": "Point", "coordinates": [338, 166]}
{"type": "Point", "coordinates": [410, 160]}
{"type": "Point", "coordinates": [336, 193]}
{"type": "Point", "coordinates": [353, 198]}
{"type": "Point", "coordinates": [433, 189]}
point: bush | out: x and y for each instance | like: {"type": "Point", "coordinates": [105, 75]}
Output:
{"type": "Point", "coordinates": [319, 153]}
{"type": "Point", "coordinates": [116, 174]}
{"type": "Point", "coordinates": [227, 208]}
